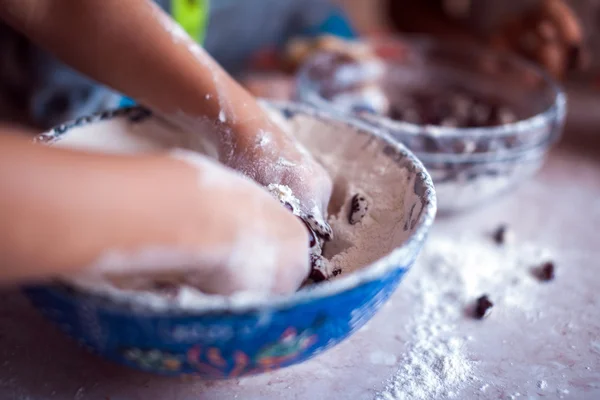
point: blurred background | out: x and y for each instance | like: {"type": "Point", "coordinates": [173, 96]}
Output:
{"type": "Point", "coordinates": [255, 44]}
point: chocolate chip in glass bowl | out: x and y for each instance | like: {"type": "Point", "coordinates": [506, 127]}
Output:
{"type": "Point", "coordinates": [312, 240]}
{"type": "Point", "coordinates": [431, 144]}
{"type": "Point", "coordinates": [404, 112]}
{"type": "Point", "coordinates": [483, 307]}
{"type": "Point", "coordinates": [461, 105]}
{"type": "Point", "coordinates": [480, 114]}
{"type": "Point", "coordinates": [450, 122]}
{"type": "Point", "coordinates": [464, 146]}
{"type": "Point", "coordinates": [169, 289]}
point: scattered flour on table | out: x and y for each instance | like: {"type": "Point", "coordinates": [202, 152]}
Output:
{"type": "Point", "coordinates": [447, 278]}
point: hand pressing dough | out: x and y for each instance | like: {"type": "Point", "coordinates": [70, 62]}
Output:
{"type": "Point", "coordinates": [320, 267]}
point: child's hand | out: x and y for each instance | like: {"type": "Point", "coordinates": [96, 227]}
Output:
{"type": "Point", "coordinates": [549, 34]}
{"type": "Point", "coordinates": [202, 224]}
{"type": "Point", "coordinates": [143, 53]}
{"type": "Point", "coordinates": [178, 216]}
{"type": "Point", "coordinates": [272, 156]}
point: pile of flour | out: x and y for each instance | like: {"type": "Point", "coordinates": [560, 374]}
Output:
{"type": "Point", "coordinates": [451, 272]}
{"type": "Point", "coordinates": [355, 162]}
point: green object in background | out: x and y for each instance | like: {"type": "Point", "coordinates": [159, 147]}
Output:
{"type": "Point", "coordinates": [192, 15]}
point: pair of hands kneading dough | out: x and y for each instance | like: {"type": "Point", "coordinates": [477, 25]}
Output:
{"type": "Point", "coordinates": [223, 232]}
{"type": "Point", "coordinates": [77, 214]}
{"type": "Point", "coordinates": [173, 215]}
{"type": "Point", "coordinates": [214, 229]}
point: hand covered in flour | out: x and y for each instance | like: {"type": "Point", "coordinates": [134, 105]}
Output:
{"type": "Point", "coordinates": [211, 228]}
{"type": "Point", "coordinates": [142, 52]}
{"type": "Point", "coordinates": [275, 159]}
{"type": "Point", "coordinates": [176, 217]}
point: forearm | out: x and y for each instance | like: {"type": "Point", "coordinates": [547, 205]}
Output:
{"type": "Point", "coordinates": [61, 210]}
{"type": "Point", "coordinates": [133, 47]}
{"type": "Point", "coordinates": [54, 207]}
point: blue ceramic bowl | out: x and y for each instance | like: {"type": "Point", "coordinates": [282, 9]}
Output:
{"type": "Point", "coordinates": [232, 339]}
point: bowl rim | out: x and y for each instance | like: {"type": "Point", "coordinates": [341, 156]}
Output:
{"type": "Point", "coordinates": [307, 91]}
{"type": "Point", "coordinates": [514, 154]}
{"type": "Point", "coordinates": [233, 304]}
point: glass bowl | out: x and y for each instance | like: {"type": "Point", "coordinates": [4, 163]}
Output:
{"type": "Point", "coordinates": [479, 120]}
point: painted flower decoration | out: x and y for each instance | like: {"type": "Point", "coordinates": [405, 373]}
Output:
{"type": "Point", "coordinates": [289, 347]}
{"type": "Point", "coordinates": [154, 359]}
{"type": "Point", "coordinates": [210, 362]}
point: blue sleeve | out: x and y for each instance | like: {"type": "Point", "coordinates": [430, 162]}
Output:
{"type": "Point", "coordinates": [336, 23]}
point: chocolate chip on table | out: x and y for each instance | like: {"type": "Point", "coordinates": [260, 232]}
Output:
{"type": "Point", "coordinates": [483, 307]}
{"type": "Point", "coordinates": [358, 209]}
{"type": "Point", "coordinates": [545, 272]}
{"type": "Point", "coordinates": [503, 234]}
